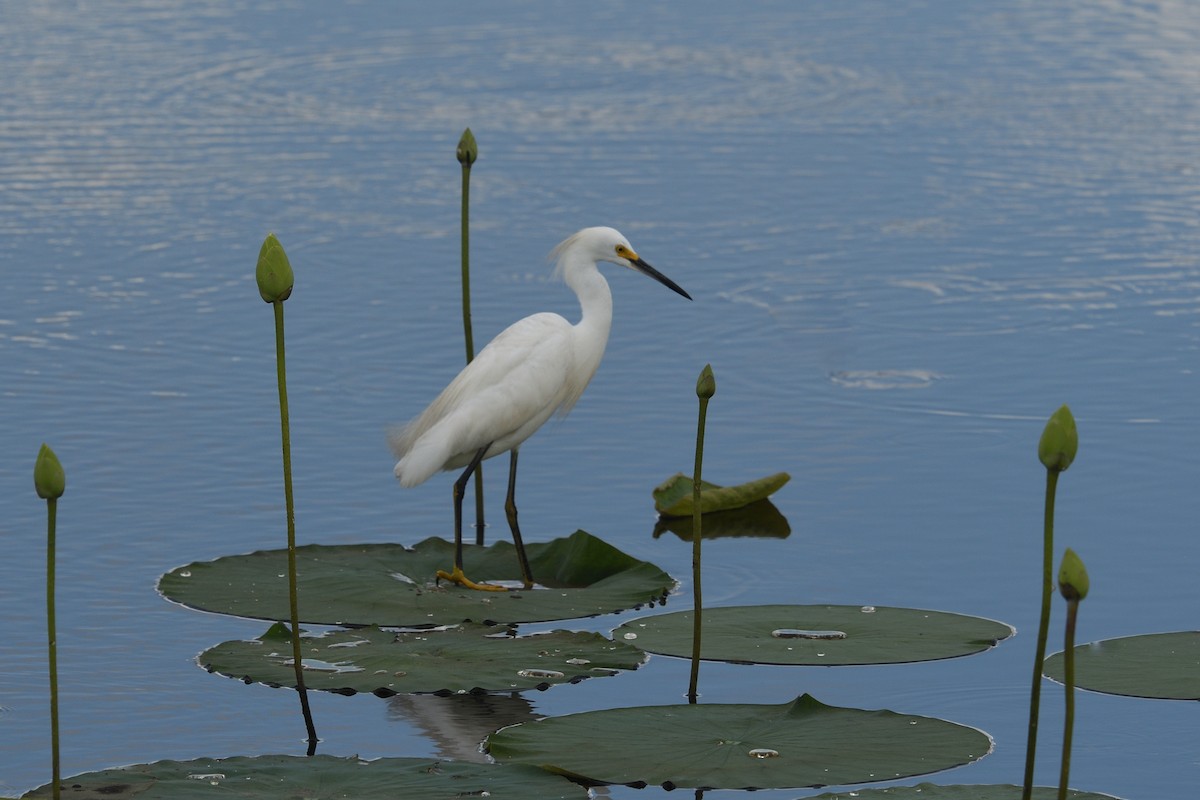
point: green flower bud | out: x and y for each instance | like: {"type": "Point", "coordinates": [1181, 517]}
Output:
{"type": "Point", "coordinates": [274, 272]}
{"type": "Point", "coordinates": [48, 477]}
{"type": "Point", "coordinates": [468, 151]}
{"type": "Point", "coordinates": [706, 385]}
{"type": "Point", "coordinates": [1059, 441]}
{"type": "Point", "coordinates": [1072, 577]}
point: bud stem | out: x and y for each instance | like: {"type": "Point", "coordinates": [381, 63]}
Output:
{"type": "Point", "coordinates": [466, 261]}
{"type": "Point", "coordinates": [52, 646]}
{"type": "Point", "coordinates": [1069, 720]}
{"type": "Point", "coordinates": [698, 612]}
{"type": "Point", "coordinates": [293, 600]}
{"type": "Point", "coordinates": [466, 159]}
{"type": "Point", "coordinates": [1035, 692]}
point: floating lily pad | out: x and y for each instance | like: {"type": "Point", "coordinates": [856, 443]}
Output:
{"type": "Point", "coordinates": [673, 497]}
{"type": "Point", "coordinates": [932, 791]}
{"type": "Point", "coordinates": [1164, 666]}
{"type": "Point", "coordinates": [817, 635]}
{"type": "Point", "coordinates": [802, 743]}
{"type": "Point", "coordinates": [392, 585]}
{"type": "Point", "coordinates": [760, 519]}
{"type": "Point", "coordinates": [466, 658]}
{"type": "Point", "coordinates": [315, 778]}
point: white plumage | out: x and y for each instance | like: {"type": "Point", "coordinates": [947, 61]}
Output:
{"type": "Point", "coordinates": [536, 367]}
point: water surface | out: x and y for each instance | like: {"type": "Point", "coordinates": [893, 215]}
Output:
{"type": "Point", "coordinates": [911, 232]}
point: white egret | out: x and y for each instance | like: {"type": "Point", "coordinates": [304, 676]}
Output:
{"type": "Point", "coordinates": [536, 367]}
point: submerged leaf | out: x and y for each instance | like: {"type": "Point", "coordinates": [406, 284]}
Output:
{"type": "Point", "coordinates": [392, 585]}
{"type": "Point", "coordinates": [315, 778]}
{"type": "Point", "coordinates": [817, 635]}
{"type": "Point", "coordinates": [673, 497]}
{"type": "Point", "coordinates": [465, 658]}
{"type": "Point", "coordinates": [802, 743]}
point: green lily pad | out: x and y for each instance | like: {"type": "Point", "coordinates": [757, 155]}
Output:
{"type": "Point", "coordinates": [817, 635]}
{"type": "Point", "coordinates": [673, 497]}
{"type": "Point", "coordinates": [1164, 666]}
{"type": "Point", "coordinates": [932, 791]}
{"type": "Point", "coordinates": [760, 519]}
{"type": "Point", "coordinates": [466, 658]}
{"type": "Point", "coordinates": [796, 744]}
{"type": "Point", "coordinates": [392, 585]}
{"type": "Point", "coordinates": [314, 778]}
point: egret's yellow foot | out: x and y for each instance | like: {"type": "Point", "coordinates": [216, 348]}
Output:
{"type": "Point", "coordinates": [457, 576]}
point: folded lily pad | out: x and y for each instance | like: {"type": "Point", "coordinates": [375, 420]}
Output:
{"type": "Point", "coordinates": [673, 497]}
{"type": "Point", "coordinates": [1162, 666]}
{"type": "Point", "coordinates": [314, 778]}
{"type": "Point", "coordinates": [932, 791]}
{"type": "Point", "coordinates": [796, 744]}
{"type": "Point", "coordinates": [465, 658]}
{"type": "Point", "coordinates": [817, 635]}
{"type": "Point", "coordinates": [391, 585]}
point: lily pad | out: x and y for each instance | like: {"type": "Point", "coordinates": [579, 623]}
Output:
{"type": "Point", "coordinates": [817, 635]}
{"type": "Point", "coordinates": [932, 791]}
{"type": "Point", "coordinates": [796, 744]}
{"type": "Point", "coordinates": [673, 497]}
{"type": "Point", "coordinates": [392, 585]}
{"type": "Point", "coordinates": [315, 778]}
{"type": "Point", "coordinates": [466, 658]}
{"type": "Point", "coordinates": [1163, 666]}
{"type": "Point", "coordinates": [760, 519]}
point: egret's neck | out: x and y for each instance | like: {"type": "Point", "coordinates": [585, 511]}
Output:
{"type": "Point", "coordinates": [591, 332]}
{"type": "Point", "coordinates": [595, 299]}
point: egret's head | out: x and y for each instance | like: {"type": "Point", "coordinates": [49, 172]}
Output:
{"type": "Point", "coordinates": [615, 248]}
{"type": "Point", "coordinates": [596, 244]}
{"type": "Point", "coordinates": [607, 244]}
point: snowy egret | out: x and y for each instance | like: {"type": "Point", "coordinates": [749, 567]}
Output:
{"type": "Point", "coordinates": [536, 367]}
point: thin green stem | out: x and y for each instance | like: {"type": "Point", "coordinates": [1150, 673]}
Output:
{"type": "Point", "coordinates": [696, 539]}
{"type": "Point", "coordinates": [293, 599]}
{"type": "Point", "coordinates": [1035, 692]}
{"type": "Point", "coordinates": [466, 261]}
{"type": "Point", "coordinates": [1064, 775]}
{"type": "Point", "coordinates": [468, 336]}
{"type": "Point", "coordinates": [52, 646]}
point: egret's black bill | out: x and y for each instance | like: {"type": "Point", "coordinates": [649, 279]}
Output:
{"type": "Point", "coordinates": [650, 271]}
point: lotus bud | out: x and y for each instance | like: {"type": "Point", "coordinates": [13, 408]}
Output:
{"type": "Point", "coordinates": [1072, 577]}
{"type": "Point", "coordinates": [1059, 441]}
{"type": "Point", "coordinates": [468, 151]}
{"type": "Point", "coordinates": [706, 385]}
{"type": "Point", "coordinates": [48, 477]}
{"type": "Point", "coordinates": [274, 272]}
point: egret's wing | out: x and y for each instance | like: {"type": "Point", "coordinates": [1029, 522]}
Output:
{"type": "Point", "coordinates": [511, 387]}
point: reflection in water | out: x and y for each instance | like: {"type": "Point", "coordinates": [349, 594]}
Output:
{"type": "Point", "coordinates": [458, 723]}
{"type": "Point", "coordinates": [883, 378]}
{"type": "Point", "coordinates": [760, 518]}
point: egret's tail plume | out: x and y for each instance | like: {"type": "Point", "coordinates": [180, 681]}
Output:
{"type": "Point", "coordinates": [419, 461]}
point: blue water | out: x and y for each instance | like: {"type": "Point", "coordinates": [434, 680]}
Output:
{"type": "Point", "coordinates": [912, 231]}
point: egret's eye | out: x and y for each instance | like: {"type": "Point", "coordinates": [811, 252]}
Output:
{"type": "Point", "coordinates": [622, 251]}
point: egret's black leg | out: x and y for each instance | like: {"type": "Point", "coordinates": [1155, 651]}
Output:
{"type": "Point", "coordinates": [510, 510]}
{"type": "Point", "coordinates": [460, 488]}
{"type": "Point", "coordinates": [480, 525]}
